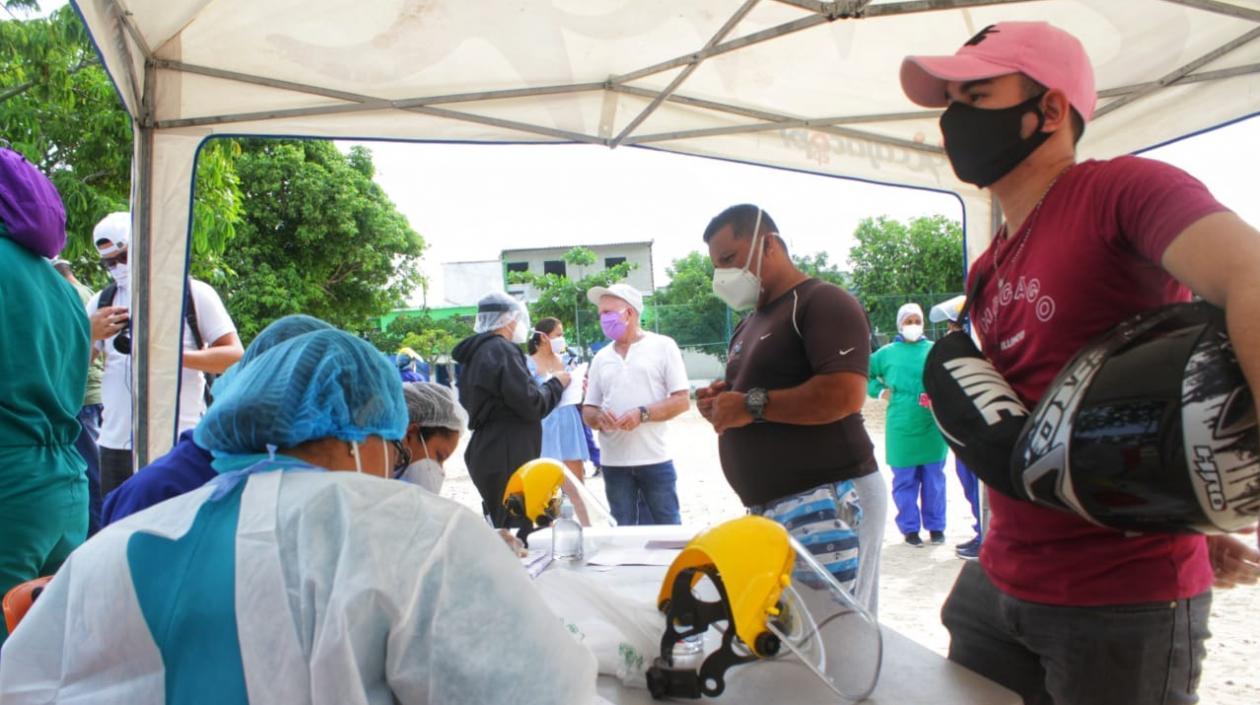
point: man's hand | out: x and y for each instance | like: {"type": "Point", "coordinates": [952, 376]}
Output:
{"type": "Point", "coordinates": [108, 321]}
{"type": "Point", "coordinates": [605, 420]}
{"type": "Point", "coordinates": [705, 397]}
{"type": "Point", "coordinates": [729, 411]}
{"type": "Point", "coordinates": [629, 420]}
{"type": "Point", "coordinates": [1233, 562]}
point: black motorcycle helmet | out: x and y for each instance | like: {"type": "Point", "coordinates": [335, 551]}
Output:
{"type": "Point", "coordinates": [1150, 428]}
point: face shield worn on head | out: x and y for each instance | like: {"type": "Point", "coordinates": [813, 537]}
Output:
{"type": "Point", "coordinates": [745, 592]}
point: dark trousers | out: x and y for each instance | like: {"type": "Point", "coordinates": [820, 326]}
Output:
{"type": "Point", "coordinates": [115, 468]}
{"type": "Point", "coordinates": [90, 428]}
{"type": "Point", "coordinates": [1139, 654]}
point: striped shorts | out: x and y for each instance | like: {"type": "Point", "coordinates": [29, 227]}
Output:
{"type": "Point", "coordinates": [824, 520]}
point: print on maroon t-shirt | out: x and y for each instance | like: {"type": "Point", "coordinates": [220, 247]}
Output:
{"type": "Point", "coordinates": [1088, 260]}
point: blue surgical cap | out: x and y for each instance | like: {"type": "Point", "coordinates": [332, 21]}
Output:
{"type": "Point", "coordinates": [322, 384]}
{"type": "Point", "coordinates": [280, 330]}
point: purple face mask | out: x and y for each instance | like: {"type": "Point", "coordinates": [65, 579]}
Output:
{"type": "Point", "coordinates": [613, 324]}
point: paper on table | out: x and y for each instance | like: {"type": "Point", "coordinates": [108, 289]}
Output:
{"type": "Point", "coordinates": [632, 556]}
{"type": "Point", "coordinates": [574, 392]}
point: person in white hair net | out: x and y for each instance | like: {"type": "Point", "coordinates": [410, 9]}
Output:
{"type": "Point", "coordinates": [505, 405]}
{"type": "Point", "coordinates": [435, 421]}
{"type": "Point", "coordinates": [302, 574]}
{"type": "Point", "coordinates": [914, 446]}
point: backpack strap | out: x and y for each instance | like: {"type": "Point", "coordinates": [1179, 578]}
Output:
{"type": "Point", "coordinates": [190, 318]}
{"type": "Point", "coordinates": [107, 295]}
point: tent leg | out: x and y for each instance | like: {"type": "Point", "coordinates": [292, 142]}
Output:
{"type": "Point", "coordinates": [141, 256]}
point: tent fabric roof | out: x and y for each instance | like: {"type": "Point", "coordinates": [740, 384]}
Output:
{"type": "Point", "coordinates": [798, 84]}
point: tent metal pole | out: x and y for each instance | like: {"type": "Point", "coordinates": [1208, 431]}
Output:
{"type": "Point", "coordinates": [141, 261]}
{"type": "Point", "coordinates": [733, 45]}
{"type": "Point", "coordinates": [509, 124]}
{"type": "Point", "coordinates": [123, 17]}
{"type": "Point", "coordinates": [381, 102]}
{"type": "Point", "coordinates": [683, 75]}
{"type": "Point", "coordinates": [1178, 74]}
{"type": "Point", "coordinates": [1217, 75]}
{"type": "Point", "coordinates": [769, 116]}
{"type": "Point", "coordinates": [786, 124]}
{"type": "Point", "coordinates": [906, 8]}
{"type": "Point", "coordinates": [1222, 8]}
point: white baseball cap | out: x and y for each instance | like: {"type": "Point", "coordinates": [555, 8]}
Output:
{"type": "Point", "coordinates": [625, 292]}
{"type": "Point", "coordinates": [112, 234]}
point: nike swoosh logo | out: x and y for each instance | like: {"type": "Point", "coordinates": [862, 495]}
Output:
{"type": "Point", "coordinates": [846, 352]}
{"type": "Point", "coordinates": [767, 335]}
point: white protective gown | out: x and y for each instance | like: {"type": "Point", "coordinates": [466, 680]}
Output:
{"type": "Point", "coordinates": [345, 589]}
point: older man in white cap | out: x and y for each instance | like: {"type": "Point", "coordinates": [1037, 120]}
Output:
{"type": "Point", "coordinates": [210, 346]}
{"type": "Point", "coordinates": [636, 384]}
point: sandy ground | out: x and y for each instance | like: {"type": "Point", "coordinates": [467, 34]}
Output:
{"type": "Point", "coordinates": [914, 582]}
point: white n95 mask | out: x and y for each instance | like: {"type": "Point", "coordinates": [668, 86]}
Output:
{"type": "Point", "coordinates": [426, 474]}
{"type": "Point", "coordinates": [739, 288]}
{"type": "Point", "coordinates": [912, 332]}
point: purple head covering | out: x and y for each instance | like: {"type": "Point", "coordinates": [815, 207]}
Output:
{"type": "Point", "coordinates": [31, 213]}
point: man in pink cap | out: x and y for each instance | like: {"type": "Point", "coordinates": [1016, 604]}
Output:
{"type": "Point", "coordinates": [1058, 609]}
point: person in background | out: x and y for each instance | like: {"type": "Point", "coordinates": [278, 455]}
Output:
{"type": "Point", "coordinates": [505, 406]}
{"type": "Point", "coordinates": [187, 466]}
{"type": "Point", "coordinates": [44, 351]}
{"type": "Point", "coordinates": [634, 386]}
{"type": "Point", "coordinates": [563, 438]}
{"type": "Point", "coordinates": [948, 312]}
{"type": "Point", "coordinates": [302, 574]}
{"type": "Point", "coordinates": [435, 421]}
{"type": "Point", "coordinates": [90, 413]}
{"type": "Point", "coordinates": [788, 413]}
{"type": "Point", "coordinates": [209, 346]}
{"type": "Point", "coordinates": [913, 444]}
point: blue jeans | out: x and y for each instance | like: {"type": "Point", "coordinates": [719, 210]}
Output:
{"type": "Point", "coordinates": [642, 494]}
{"type": "Point", "coordinates": [926, 481]}
{"type": "Point", "coordinates": [90, 421]}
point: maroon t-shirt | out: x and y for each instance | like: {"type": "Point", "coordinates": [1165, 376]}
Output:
{"type": "Point", "coordinates": [815, 328]}
{"type": "Point", "coordinates": [1089, 259]}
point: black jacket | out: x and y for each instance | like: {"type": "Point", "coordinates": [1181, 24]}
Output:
{"type": "Point", "coordinates": [505, 411]}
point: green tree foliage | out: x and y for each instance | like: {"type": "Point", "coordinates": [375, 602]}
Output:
{"type": "Point", "coordinates": [817, 265]}
{"type": "Point", "coordinates": [565, 299]}
{"type": "Point", "coordinates": [896, 262]}
{"type": "Point", "coordinates": [688, 311]}
{"type": "Point", "coordinates": [60, 110]}
{"type": "Point", "coordinates": [428, 336]}
{"type": "Point", "coordinates": [317, 236]}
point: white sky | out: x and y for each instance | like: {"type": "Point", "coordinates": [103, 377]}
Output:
{"type": "Point", "coordinates": [472, 201]}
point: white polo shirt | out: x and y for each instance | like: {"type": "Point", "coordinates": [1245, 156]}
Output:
{"type": "Point", "coordinates": [651, 370]}
{"type": "Point", "coordinates": [116, 384]}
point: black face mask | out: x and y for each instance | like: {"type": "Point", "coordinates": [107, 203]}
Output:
{"type": "Point", "coordinates": [985, 145]}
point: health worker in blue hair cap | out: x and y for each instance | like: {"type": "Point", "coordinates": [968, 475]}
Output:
{"type": "Point", "coordinates": [304, 573]}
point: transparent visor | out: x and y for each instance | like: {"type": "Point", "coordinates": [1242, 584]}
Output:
{"type": "Point", "coordinates": [823, 630]}
{"type": "Point", "coordinates": [585, 502]}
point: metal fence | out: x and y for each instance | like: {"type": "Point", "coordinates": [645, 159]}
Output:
{"type": "Point", "coordinates": [703, 332]}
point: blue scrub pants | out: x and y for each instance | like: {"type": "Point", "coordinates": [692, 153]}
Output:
{"type": "Point", "coordinates": [971, 490]}
{"type": "Point", "coordinates": [924, 483]}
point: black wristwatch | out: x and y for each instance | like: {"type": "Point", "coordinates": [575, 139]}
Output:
{"type": "Point", "coordinates": [644, 414]}
{"type": "Point", "coordinates": [755, 401]}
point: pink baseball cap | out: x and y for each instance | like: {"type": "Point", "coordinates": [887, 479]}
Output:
{"type": "Point", "coordinates": [1039, 50]}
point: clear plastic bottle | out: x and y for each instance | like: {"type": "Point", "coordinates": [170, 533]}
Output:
{"type": "Point", "coordinates": [566, 536]}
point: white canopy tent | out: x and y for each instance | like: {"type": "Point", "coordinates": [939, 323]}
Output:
{"type": "Point", "coordinates": [797, 84]}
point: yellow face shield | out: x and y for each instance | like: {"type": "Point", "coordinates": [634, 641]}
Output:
{"type": "Point", "coordinates": [749, 592]}
{"type": "Point", "coordinates": [533, 492]}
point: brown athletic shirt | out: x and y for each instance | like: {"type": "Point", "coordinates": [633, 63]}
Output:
{"type": "Point", "coordinates": [815, 328]}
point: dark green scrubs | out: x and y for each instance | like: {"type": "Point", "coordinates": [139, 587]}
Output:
{"type": "Point", "coordinates": [44, 349]}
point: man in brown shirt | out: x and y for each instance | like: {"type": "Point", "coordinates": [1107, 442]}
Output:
{"type": "Point", "coordinates": [788, 413]}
